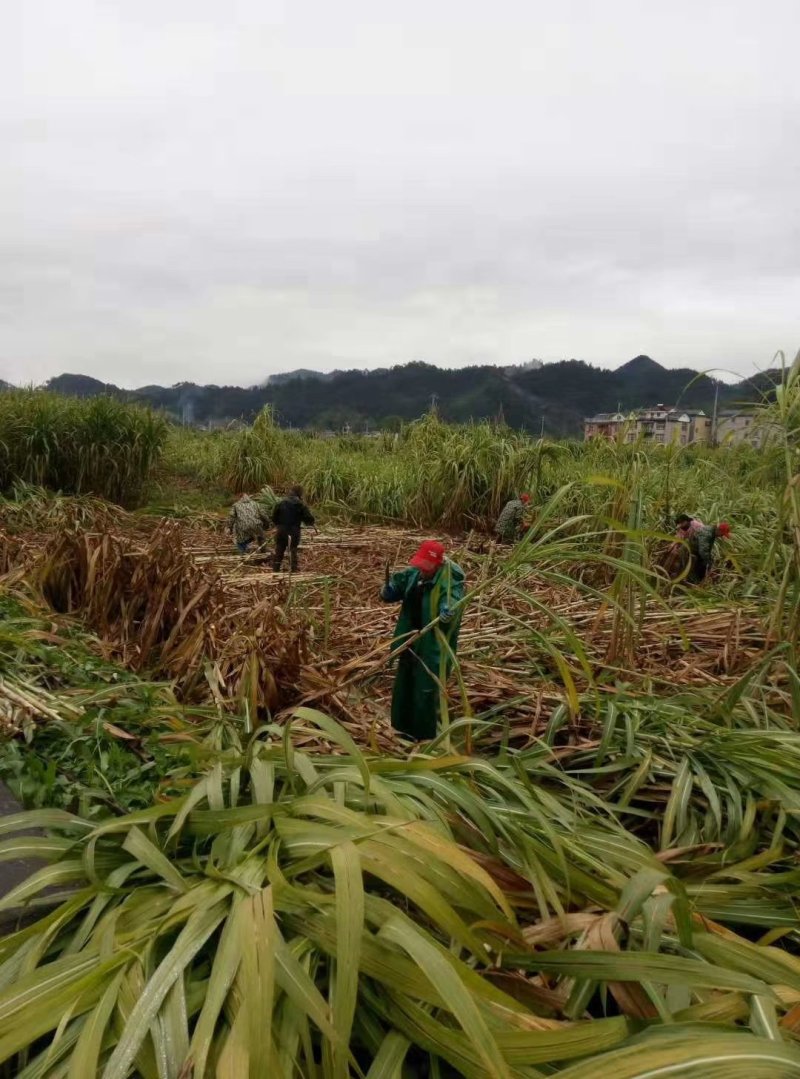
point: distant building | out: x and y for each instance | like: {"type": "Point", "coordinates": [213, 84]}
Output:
{"type": "Point", "coordinates": [612, 425]}
{"type": "Point", "coordinates": [699, 426]}
{"type": "Point", "coordinates": [737, 427]}
{"type": "Point", "coordinates": [661, 424]}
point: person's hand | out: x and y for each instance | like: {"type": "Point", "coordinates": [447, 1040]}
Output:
{"type": "Point", "coordinates": [445, 614]}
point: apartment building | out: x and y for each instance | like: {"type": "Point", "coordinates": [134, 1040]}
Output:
{"type": "Point", "coordinates": [700, 426]}
{"type": "Point", "coordinates": [735, 427]}
{"type": "Point", "coordinates": [661, 424]}
{"type": "Point", "coordinates": [608, 425]}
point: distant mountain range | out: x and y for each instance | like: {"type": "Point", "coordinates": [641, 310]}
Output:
{"type": "Point", "coordinates": [552, 397]}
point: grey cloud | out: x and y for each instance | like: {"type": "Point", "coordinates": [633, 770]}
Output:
{"type": "Point", "coordinates": [192, 192]}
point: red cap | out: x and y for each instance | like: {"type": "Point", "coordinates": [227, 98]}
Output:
{"type": "Point", "coordinates": [429, 556]}
{"type": "Point", "coordinates": [524, 498]}
{"type": "Point", "coordinates": [723, 529]}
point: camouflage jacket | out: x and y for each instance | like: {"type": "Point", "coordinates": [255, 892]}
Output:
{"type": "Point", "coordinates": [247, 520]}
{"type": "Point", "coordinates": [510, 519]}
{"type": "Point", "coordinates": [701, 542]}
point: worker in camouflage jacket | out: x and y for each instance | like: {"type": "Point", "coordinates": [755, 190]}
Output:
{"type": "Point", "coordinates": [430, 591]}
{"type": "Point", "coordinates": [701, 548]}
{"type": "Point", "coordinates": [511, 520]}
{"type": "Point", "coordinates": [248, 521]}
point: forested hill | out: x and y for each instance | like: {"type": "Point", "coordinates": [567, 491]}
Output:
{"type": "Point", "coordinates": [554, 396]}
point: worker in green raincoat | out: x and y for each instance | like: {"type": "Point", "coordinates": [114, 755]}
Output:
{"type": "Point", "coordinates": [431, 588]}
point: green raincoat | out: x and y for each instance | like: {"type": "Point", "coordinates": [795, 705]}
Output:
{"type": "Point", "coordinates": [421, 668]}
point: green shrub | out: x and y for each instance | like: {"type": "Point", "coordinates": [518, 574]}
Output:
{"type": "Point", "coordinates": [99, 447]}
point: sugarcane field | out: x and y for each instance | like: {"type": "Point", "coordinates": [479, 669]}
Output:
{"type": "Point", "coordinates": [399, 540]}
{"type": "Point", "coordinates": [472, 773]}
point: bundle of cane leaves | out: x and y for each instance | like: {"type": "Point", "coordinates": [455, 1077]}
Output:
{"type": "Point", "coordinates": [256, 927]}
{"type": "Point", "coordinates": [340, 916]}
{"type": "Point", "coordinates": [719, 806]}
{"type": "Point", "coordinates": [35, 509]}
{"type": "Point", "coordinates": [79, 732]}
{"type": "Point", "coordinates": [163, 613]}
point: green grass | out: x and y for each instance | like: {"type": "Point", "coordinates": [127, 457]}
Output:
{"type": "Point", "coordinates": [109, 742]}
{"type": "Point", "coordinates": [98, 447]}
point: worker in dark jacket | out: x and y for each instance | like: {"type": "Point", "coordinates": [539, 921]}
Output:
{"type": "Point", "coordinates": [289, 516]}
{"type": "Point", "coordinates": [430, 589]}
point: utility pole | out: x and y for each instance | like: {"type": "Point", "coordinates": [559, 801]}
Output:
{"type": "Point", "coordinates": [714, 417]}
{"type": "Point", "coordinates": [434, 400]}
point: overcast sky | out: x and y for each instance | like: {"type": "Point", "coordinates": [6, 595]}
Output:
{"type": "Point", "coordinates": [215, 191]}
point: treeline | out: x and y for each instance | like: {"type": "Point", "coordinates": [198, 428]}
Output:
{"type": "Point", "coordinates": [552, 399]}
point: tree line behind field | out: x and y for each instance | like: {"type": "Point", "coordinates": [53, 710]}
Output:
{"type": "Point", "coordinates": [553, 398]}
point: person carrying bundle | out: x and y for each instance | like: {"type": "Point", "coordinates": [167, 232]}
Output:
{"type": "Point", "coordinates": [429, 589]}
{"type": "Point", "coordinates": [512, 519]}
{"type": "Point", "coordinates": [248, 521]}
{"type": "Point", "coordinates": [289, 516]}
